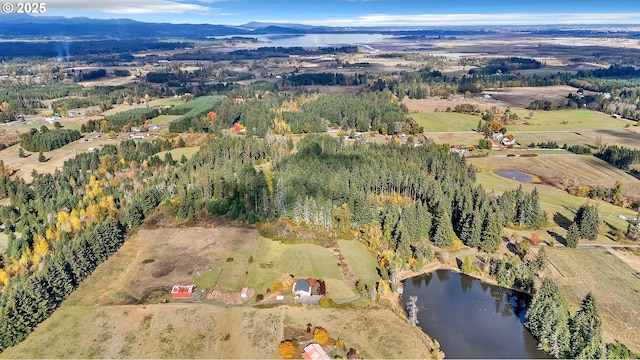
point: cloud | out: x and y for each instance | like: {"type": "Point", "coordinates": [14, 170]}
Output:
{"type": "Point", "coordinates": [478, 19]}
{"type": "Point", "coordinates": [129, 6]}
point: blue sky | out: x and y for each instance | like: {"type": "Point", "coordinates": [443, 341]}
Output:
{"type": "Point", "coordinates": [357, 12]}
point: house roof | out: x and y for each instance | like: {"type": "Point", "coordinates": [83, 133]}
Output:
{"type": "Point", "coordinates": [315, 352]}
{"type": "Point", "coordinates": [301, 285]}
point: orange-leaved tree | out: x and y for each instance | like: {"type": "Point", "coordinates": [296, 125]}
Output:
{"type": "Point", "coordinates": [287, 350]}
{"type": "Point", "coordinates": [321, 336]}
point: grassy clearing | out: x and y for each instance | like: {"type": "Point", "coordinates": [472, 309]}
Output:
{"type": "Point", "coordinates": [444, 121]}
{"type": "Point", "coordinates": [614, 284]}
{"type": "Point", "coordinates": [163, 119]}
{"type": "Point", "coordinates": [301, 260]}
{"type": "Point", "coordinates": [56, 157]}
{"type": "Point", "coordinates": [166, 102]}
{"type": "Point", "coordinates": [579, 119]}
{"type": "Point", "coordinates": [362, 262]}
{"type": "Point", "coordinates": [188, 152]}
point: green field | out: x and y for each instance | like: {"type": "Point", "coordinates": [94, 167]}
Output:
{"type": "Point", "coordinates": [166, 102]}
{"type": "Point", "coordinates": [301, 260]}
{"type": "Point", "coordinates": [177, 153]}
{"type": "Point", "coordinates": [446, 121]}
{"type": "Point", "coordinates": [362, 262]}
{"type": "Point", "coordinates": [580, 119]}
{"type": "Point", "coordinates": [162, 119]}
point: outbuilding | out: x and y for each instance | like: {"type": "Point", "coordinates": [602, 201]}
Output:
{"type": "Point", "coordinates": [182, 291]}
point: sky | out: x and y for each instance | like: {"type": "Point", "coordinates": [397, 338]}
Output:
{"type": "Point", "coordinates": [356, 12]}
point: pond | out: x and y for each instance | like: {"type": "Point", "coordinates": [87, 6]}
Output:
{"type": "Point", "coordinates": [516, 175]}
{"type": "Point", "coordinates": [472, 319]}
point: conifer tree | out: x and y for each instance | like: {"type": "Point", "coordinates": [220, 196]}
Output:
{"type": "Point", "coordinates": [587, 220]}
{"type": "Point", "coordinates": [548, 318]}
{"type": "Point", "coordinates": [573, 235]}
{"type": "Point", "coordinates": [586, 331]}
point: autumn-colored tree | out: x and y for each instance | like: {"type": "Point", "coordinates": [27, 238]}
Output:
{"type": "Point", "coordinates": [495, 125]}
{"type": "Point", "coordinates": [535, 239]}
{"type": "Point", "coordinates": [321, 336]}
{"type": "Point", "coordinates": [211, 115]}
{"type": "Point", "coordinates": [287, 350]}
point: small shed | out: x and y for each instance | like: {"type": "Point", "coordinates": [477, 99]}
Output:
{"type": "Point", "coordinates": [302, 288]}
{"type": "Point", "coordinates": [244, 293]}
{"type": "Point", "coordinates": [182, 291]}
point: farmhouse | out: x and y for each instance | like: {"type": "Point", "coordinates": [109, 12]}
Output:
{"type": "Point", "coordinates": [182, 291]}
{"type": "Point", "coordinates": [507, 142]}
{"type": "Point", "coordinates": [616, 116]}
{"type": "Point", "coordinates": [315, 352]}
{"type": "Point", "coordinates": [302, 288]}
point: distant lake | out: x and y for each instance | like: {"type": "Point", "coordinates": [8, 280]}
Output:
{"type": "Point", "coordinates": [317, 40]}
{"type": "Point", "coordinates": [472, 319]}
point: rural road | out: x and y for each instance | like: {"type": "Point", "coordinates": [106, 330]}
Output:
{"type": "Point", "coordinates": [609, 246]}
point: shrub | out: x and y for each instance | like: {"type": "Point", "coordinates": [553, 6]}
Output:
{"type": "Point", "coordinates": [326, 303]}
{"type": "Point", "coordinates": [529, 155]}
{"type": "Point", "coordinates": [535, 239]}
{"type": "Point", "coordinates": [259, 297]}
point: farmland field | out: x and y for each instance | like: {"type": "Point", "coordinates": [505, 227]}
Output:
{"type": "Point", "coordinates": [553, 200]}
{"type": "Point", "coordinates": [613, 283]}
{"type": "Point", "coordinates": [446, 121]}
{"type": "Point", "coordinates": [628, 137]}
{"type": "Point", "coordinates": [568, 169]}
{"type": "Point", "coordinates": [579, 119]}
{"type": "Point", "coordinates": [204, 331]}
{"type": "Point", "coordinates": [143, 264]}
{"type": "Point", "coordinates": [100, 320]}
{"type": "Point", "coordinates": [522, 96]}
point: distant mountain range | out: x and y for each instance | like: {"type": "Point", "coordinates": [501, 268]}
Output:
{"type": "Point", "coordinates": [20, 26]}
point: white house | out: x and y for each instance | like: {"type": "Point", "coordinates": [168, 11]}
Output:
{"type": "Point", "coordinates": [302, 288]}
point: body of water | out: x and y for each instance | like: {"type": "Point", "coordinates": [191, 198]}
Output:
{"type": "Point", "coordinates": [516, 175]}
{"type": "Point", "coordinates": [472, 319]}
{"type": "Point", "coordinates": [317, 40]}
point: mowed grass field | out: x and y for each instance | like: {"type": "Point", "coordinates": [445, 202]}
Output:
{"type": "Point", "coordinates": [195, 331]}
{"type": "Point", "coordinates": [615, 285]}
{"type": "Point", "coordinates": [578, 119]}
{"type": "Point", "coordinates": [362, 262]}
{"type": "Point", "coordinates": [622, 137]}
{"type": "Point", "coordinates": [446, 121]}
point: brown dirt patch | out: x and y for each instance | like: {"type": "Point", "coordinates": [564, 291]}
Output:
{"type": "Point", "coordinates": [131, 273]}
{"type": "Point", "coordinates": [438, 104]}
{"type": "Point", "coordinates": [523, 96]}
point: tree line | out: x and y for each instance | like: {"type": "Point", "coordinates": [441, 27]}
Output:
{"type": "Point", "coordinates": [48, 140]}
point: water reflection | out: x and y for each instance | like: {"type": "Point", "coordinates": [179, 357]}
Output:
{"type": "Point", "coordinates": [472, 319]}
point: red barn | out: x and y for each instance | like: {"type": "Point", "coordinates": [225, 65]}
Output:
{"type": "Point", "coordinates": [182, 291]}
